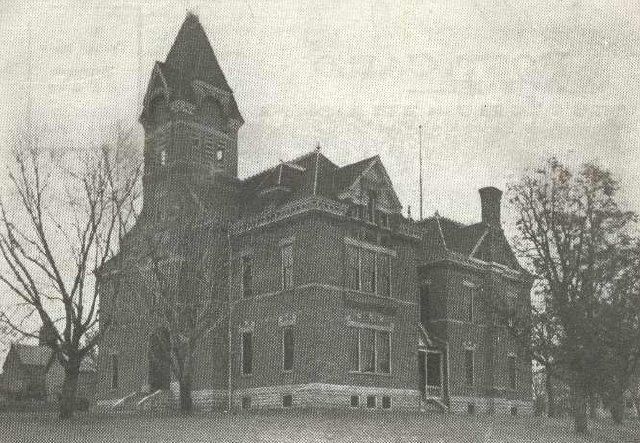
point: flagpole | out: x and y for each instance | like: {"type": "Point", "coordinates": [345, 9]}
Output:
{"type": "Point", "coordinates": [420, 165]}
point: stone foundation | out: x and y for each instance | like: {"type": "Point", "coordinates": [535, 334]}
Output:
{"type": "Point", "coordinates": [319, 395]}
{"type": "Point", "coordinates": [484, 405]}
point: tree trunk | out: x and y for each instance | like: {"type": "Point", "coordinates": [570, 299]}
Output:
{"type": "Point", "coordinates": [579, 405]}
{"type": "Point", "coordinates": [67, 405]}
{"type": "Point", "coordinates": [186, 402]}
{"type": "Point", "coordinates": [186, 381]}
{"type": "Point", "coordinates": [593, 406]}
{"type": "Point", "coordinates": [617, 407]}
{"type": "Point", "coordinates": [551, 397]}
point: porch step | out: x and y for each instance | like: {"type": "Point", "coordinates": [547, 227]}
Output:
{"type": "Point", "coordinates": [435, 404]}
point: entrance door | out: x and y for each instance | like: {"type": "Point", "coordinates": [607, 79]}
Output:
{"type": "Point", "coordinates": [159, 360]}
{"type": "Point", "coordinates": [422, 373]}
{"type": "Point", "coordinates": [434, 374]}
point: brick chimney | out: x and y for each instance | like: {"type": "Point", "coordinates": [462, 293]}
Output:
{"type": "Point", "coordinates": [490, 201]}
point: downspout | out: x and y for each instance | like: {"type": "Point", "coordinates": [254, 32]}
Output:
{"type": "Point", "coordinates": [229, 391]}
{"type": "Point", "coordinates": [446, 342]}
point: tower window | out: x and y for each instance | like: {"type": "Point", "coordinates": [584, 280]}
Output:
{"type": "Point", "coordinates": [163, 157]}
{"type": "Point", "coordinates": [219, 154]}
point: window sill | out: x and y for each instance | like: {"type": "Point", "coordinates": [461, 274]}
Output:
{"type": "Point", "coordinates": [378, 374]}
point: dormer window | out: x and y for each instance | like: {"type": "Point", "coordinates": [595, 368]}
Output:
{"type": "Point", "coordinates": [163, 157]}
{"type": "Point", "coordinates": [372, 204]}
{"type": "Point", "coordinates": [384, 219]}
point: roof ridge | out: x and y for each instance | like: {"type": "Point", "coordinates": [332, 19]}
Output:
{"type": "Point", "coordinates": [364, 160]}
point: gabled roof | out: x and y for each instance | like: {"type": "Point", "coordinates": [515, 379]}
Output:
{"type": "Point", "coordinates": [310, 174]}
{"type": "Point", "coordinates": [346, 175]}
{"type": "Point", "coordinates": [445, 238]}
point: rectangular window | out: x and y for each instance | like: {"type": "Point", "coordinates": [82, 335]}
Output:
{"type": "Point", "coordinates": [469, 305]}
{"type": "Point", "coordinates": [512, 298]}
{"type": "Point", "coordinates": [354, 349]}
{"type": "Point", "coordinates": [368, 270]}
{"type": "Point", "coordinates": [383, 351]}
{"type": "Point", "coordinates": [163, 157]}
{"type": "Point", "coordinates": [247, 277]}
{"type": "Point", "coordinates": [247, 353]}
{"type": "Point", "coordinates": [114, 371]}
{"type": "Point", "coordinates": [384, 275]}
{"type": "Point", "coordinates": [367, 350]}
{"type": "Point", "coordinates": [355, 401]}
{"type": "Point", "coordinates": [468, 366]}
{"type": "Point", "coordinates": [386, 402]}
{"type": "Point", "coordinates": [246, 402]}
{"type": "Point", "coordinates": [511, 369]}
{"type": "Point", "coordinates": [353, 267]}
{"type": "Point", "coordinates": [287, 348]}
{"type": "Point", "coordinates": [287, 401]}
{"type": "Point", "coordinates": [287, 265]}
{"type": "Point", "coordinates": [425, 304]}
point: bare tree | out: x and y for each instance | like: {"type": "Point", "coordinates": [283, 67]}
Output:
{"type": "Point", "coordinates": [178, 288]}
{"type": "Point", "coordinates": [64, 218]}
{"type": "Point", "coordinates": [568, 224]}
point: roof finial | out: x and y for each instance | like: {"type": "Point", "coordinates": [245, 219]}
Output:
{"type": "Point", "coordinates": [318, 146]}
{"type": "Point", "coordinates": [409, 212]}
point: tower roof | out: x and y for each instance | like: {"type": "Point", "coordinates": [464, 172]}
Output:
{"type": "Point", "coordinates": [191, 56]}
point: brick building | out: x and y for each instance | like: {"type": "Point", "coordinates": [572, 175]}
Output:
{"type": "Point", "coordinates": [332, 297]}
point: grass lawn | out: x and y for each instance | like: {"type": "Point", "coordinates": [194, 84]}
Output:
{"type": "Point", "coordinates": [304, 426]}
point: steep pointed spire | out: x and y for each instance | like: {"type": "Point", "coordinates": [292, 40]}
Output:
{"type": "Point", "coordinates": [191, 56]}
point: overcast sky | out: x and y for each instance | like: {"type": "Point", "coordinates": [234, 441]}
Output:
{"type": "Point", "coordinates": [497, 85]}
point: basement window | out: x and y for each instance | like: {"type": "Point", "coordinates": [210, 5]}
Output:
{"type": "Point", "coordinates": [371, 401]}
